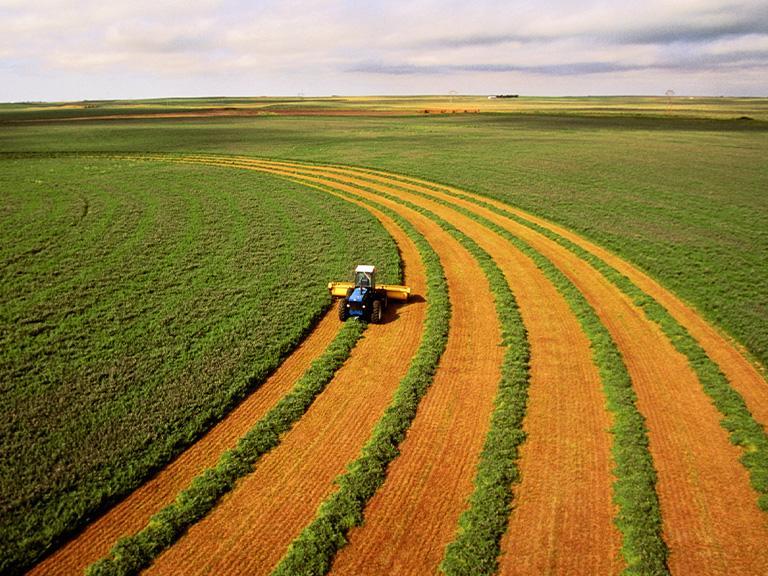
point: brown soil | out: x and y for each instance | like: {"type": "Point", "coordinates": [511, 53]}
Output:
{"type": "Point", "coordinates": [251, 528]}
{"type": "Point", "coordinates": [711, 521]}
{"type": "Point", "coordinates": [132, 514]}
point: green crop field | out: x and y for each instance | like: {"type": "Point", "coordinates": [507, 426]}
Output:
{"type": "Point", "coordinates": [682, 196]}
{"type": "Point", "coordinates": [142, 300]}
{"type": "Point", "coordinates": [140, 303]}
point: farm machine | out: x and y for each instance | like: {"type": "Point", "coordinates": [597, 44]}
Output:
{"type": "Point", "coordinates": [363, 298]}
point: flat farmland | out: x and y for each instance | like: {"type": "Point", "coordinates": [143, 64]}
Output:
{"type": "Point", "coordinates": [578, 385]}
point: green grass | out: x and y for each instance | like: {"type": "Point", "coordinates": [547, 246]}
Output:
{"type": "Point", "coordinates": [135, 552]}
{"type": "Point", "coordinates": [140, 303]}
{"type": "Point", "coordinates": [681, 198]}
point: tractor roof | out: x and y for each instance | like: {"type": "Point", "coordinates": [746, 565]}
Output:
{"type": "Point", "coordinates": [365, 268]}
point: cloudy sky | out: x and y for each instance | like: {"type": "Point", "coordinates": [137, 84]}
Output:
{"type": "Point", "coordinates": [93, 49]}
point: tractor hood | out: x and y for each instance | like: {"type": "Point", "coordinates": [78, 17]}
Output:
{"type": "Point", "coordinates": [357, 295]}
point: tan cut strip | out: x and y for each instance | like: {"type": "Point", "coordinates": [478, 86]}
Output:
{"type": "Point", "coordinates": [747, 378]}
{"type": "Point", "coordinates": [566, 463]}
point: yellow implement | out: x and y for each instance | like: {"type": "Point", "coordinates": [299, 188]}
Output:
{"type": "Point", "coordinates": [394, 291]}
{"type": "Point", "coordinates": [363, 298]}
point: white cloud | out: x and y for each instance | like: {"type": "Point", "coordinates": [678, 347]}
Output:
{"type": "Point", "coordinates": [369, 44]}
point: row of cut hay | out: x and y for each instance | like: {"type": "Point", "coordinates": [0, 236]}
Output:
{"type": "Point", "coordinates": [744, 430]}
{"type": "Point", "coordinates": [476, 549]}
{"type": "Point", "coordinates": [312, 552]}
{"type": "Point", "coordinates": [131, 554]}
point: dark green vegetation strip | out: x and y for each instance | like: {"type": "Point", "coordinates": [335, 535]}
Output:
{"type": "Point", "coordinates": [140, 303]}
{"type": "Point", "coordinates": [639, 517]}
{"type": "Point", "coordinates": [314, 549]}
{"type": "Point", "coordinates": [744, 430]}
{"type": "Point", "coordinates": [135, 552]}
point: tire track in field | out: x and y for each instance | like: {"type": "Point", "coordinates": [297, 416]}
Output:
{"type": "Point", "coordinates": [132, 513]}
{"type": "Point", "coordinates": [251, 528]}
{"type": "Point", "coordinates": [711, 520]}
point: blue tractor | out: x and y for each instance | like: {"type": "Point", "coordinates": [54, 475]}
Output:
{"type": "Point", "coordinates": [363, 299]}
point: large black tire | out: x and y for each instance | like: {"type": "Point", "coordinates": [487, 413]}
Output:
{"type": "Point", "coordinates": [377, 312]}
{"type": "Point", "coordinates": [343, 312]}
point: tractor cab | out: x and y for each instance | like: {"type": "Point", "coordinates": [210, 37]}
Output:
{"type": "Point", "coordinates": [360, 297]}
{"type": "Point", "coordinates": [365, 277]}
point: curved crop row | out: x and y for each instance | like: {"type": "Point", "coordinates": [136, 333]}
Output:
{"type": "Point", "coordinates": [133, 553]}
{"type": "Point", "coordinates": [477, 546]}
{"type": "Point", "coordinates": [700, 378]}
{"type": "Point", "coordinates": [313, 551]}
{"type": "Point", "coordinates": [644, 549]}
{"type": "Point", "coordinates": [130, 325]}
{"type": "Point", "coordinates": [747, 426]}
{"type": "Point", "coordinates": [137, 310]}
{"type": "Point", "coordinates": [744, 430]}
{"type": "Point", "coordinates": [639, 517]}
{"type": "Point", "coordinates": [481, 526]}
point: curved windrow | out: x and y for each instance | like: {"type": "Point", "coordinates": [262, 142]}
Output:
{"type": "Point", "coordinates": [674, 427]}
{"type": "Point", "coordinates": [670, 429]}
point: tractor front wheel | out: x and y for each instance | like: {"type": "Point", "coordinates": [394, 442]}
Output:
{"type": "Point", "coordinates": [377, 312]}
{"type": "Point", "coordinates": [343, 312]}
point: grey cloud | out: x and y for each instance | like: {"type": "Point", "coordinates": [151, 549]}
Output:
{"type": "Point", "coordinates": [689, 32]}
{"type": "Point", "coordinates": [616, 28]}
{"type": "Point", "coordinates": [474, 40]}
{"type": "Point", "coordinates": [578, 68]}
{"type": "Point", "coordinates": [744, 59]}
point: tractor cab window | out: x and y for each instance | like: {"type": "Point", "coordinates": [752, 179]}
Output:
{"type": "Point", "coordinates": [363, 280]}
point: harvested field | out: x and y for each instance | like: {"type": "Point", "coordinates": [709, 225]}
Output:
{"type": "Point", "coordinates": [563, 516]}
{"type": "Point", "coordinates": [745, 377]}
{"type": "Point", "coordinates": [417, 509]}
{"type": "Point", "coordinates": [692, 459]}
{"type": "Point", "coordinates": [563, 379]}
{"type": "Point", "coordinates": [682, 490]}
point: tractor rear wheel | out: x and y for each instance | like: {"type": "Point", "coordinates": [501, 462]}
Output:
{"type": "Point", "coordinates": [343, 312]}
{"type": "Point", "coordinates": [376, 312]}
